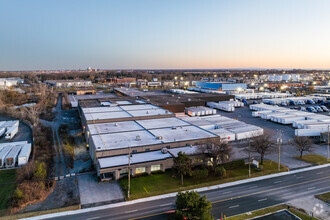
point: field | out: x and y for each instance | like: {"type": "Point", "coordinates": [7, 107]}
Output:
{"type": "Point", "coordinates": [6, 188]}
{"type": "Point", "coordinates": [156, 184]}
{"type": "Point", "coordinates": [313, 158]}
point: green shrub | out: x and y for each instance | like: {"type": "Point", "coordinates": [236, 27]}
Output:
{"type": "Point", "coordinates": [220, 171]}
{"type": "Point", "coordinates": [200, 173]}
{"type": "Point", "coordinates": [40, 172]}
{"type": "Point", "coordinates": [234, 164]}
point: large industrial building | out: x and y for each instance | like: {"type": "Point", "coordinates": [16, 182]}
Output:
{"type": "Point", "coordinates": [152, 135]}
{"type": "Point", "coordinates": [221, 86]}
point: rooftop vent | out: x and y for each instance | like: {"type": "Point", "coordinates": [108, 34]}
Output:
{"type": "Point", "coordinates": [147, 112]}
{"type": "Point", "coordinates": [166, 112]}
{"type": "Point", "coordinates": [138, 138]}
{"type": "Point", "coordinates": [159, 138]}
{"type": "Point", "coordinates": [164, 150]}
{"type": "Point", "coordinates": [116, 124]}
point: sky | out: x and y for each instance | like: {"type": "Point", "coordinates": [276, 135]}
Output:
{"type": "Point", "coordinates": [164, 34]}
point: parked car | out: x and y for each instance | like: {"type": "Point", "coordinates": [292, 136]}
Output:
{"type": "Point", "coordinates": [303, 109]}
{"type": "Point", "coordinates": [311, 109]}
{"type": "Point", "coordinates": [310, 101]}
{"type": "Point", "coordinates": [324, 108]}
{"type": "Point", "coordinates": [318, 108]}
{"type": "Point", "coordinates": [284, 104]}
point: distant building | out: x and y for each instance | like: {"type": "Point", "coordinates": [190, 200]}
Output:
{"type": "Point", "coordinates": [9, 82]}
{"type": "Point", "coordinates": [221, 86]}
{"type": "Point", "coordinates": [69, 83]}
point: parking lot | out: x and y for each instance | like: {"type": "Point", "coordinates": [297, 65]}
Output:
{"type": "Point", "coordinates": [287, 151]}
{"type": "Point", "coordinates": [24, 131]}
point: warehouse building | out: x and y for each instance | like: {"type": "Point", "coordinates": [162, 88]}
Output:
{"type": "Point", "coordinates": [69, 83]}
{"type": "Point", "coordinates": [221, 86]}
{"type": "Point", "coordinates": [147, 132]}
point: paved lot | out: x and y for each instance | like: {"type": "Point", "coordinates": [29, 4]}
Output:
{"type": "Point", "coordinates": [24, 132]}
{"type": "Point", "coordinates": [93, 193]}
{"type": "Point", "coordinates": [287, 151]}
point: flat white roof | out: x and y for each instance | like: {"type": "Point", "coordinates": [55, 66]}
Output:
{"type": "Point", "coordinates": [181, 133]}
{"type": "Point", "coordinates": [137, 158]}
{"type": "Point", "coordinates": [113, 127]}
{"type": "Point", "coordinates": [162, 123]}
{"type": "Point", "coordinates": [123, 140]}
{"type": "Point", "coordinates": [107, 115]}
{"type": "Point", "coordinates": [139, 107]}
{"type": "Point", "coordinates": [124, 102]}
{"type": "Point", "coordinates": [149, 112]}
{"type": "Point", "coordinates": [101, 109]}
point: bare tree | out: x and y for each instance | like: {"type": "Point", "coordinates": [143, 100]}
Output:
{"type": "Point", "coordinates": [217, 151]}
{"type": "Point", "coordinates": [302, 144]}
{"type": "Point", "coordinates": [263, 144]}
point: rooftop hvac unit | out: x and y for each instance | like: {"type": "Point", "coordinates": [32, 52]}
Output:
{"type": "Point", "coordinates": [138, 138]}
{"type": "Point", "coordinates": [147, 112]}
{"type": "Point", "coordinates": [159, 138]}
{"type": "Point", "coordinates": [164, 150]}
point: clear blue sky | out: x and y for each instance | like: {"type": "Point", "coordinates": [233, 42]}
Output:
{"type": "Point", "coordinates": [72, 34]}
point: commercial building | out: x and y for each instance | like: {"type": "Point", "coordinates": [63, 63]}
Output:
{"type": "Point", "coordinates": [221, 86]}
{"type": "Point", "coordinates": [9, 82]}
{"type": "Point", "coordinates": [152, 135]}
{"type": "Point", "coordinates": [69, 83]}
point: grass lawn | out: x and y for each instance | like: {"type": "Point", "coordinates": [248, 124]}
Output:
{"type": "Point", "coordinates": [324, 197]}
{"type": "Point", "coordinates": [313, 158]}
{"type": "Point", "coordinates": [156, 184]}
{"type": "Point", "coordinates": [270, 210]}
{"type": "Point", "coordinates": [6, 190]}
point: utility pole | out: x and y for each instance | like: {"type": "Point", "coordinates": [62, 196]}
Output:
{"type": "Point", "coordinates": [279, 141]}
{"type": "Point", "coordinates": [328, 144]}
{"type": "Point", "coordinates": [129, 172]}
{"type": "Point", "coordinates": [249, 159]}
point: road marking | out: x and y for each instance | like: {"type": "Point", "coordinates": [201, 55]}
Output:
{"type": "Point", "coordinates": [93, 218]}
{"type": "Point", "coordinates": [227, 192]}
{"type": "Point", "coordinates": [278, 188]}
{"type": "Point", "coordinates": [319, 173]}
{"type": "Point", "coordinates": [260, 200]}
{"type": "Point", "coordinates": [271, 190]}
{"type": "Point", "coordinates": [299, 177]}
{"type": "Point", "coordinates": [251, 187]}
{"type": "Point", "coordinates": [131, 211]}
{"type": "Point", "coordinates": [310, 188]}
{"type": "Point", "coordinates": [166, 204]}
{"type": "Point", "coordinates": [277, 182]}
{"type": "Point", "coordinates": [235, 206]}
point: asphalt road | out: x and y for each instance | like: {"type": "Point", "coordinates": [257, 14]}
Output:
{"type": "Point", "coordinates": [230, 200]}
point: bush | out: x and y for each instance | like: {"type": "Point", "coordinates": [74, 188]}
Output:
{"type": "Point", "coordinates": [220, 171]}
{"type": "Point", "coordinates": [200, 173]}
{"type": "Point", "coordinates": [40, 172]}
{"type": "Point", "coordinates": [234, 164]}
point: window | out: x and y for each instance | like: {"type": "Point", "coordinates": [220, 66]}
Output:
{"type": "Point", "coordinates": [134, 151]}
{"type": "Point", "coordinates": [147, 149]}
{"type": "Point", "coordinates": [123, 171]}
{"type": "Point", "coordinates": [140, 170]}
{"type": "Point", "coordinates": [197, 160]}
{"type": "Point", "coordinates": [168, 147]}
{"type": "Point", "coordinates": [155, 167]}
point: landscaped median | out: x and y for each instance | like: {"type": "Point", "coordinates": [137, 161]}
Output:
{"type": "Point", "coordinates": [157, 184]}
{"type": "Point", "coordinates": [270, 210]}
{"type": "Point", "coordinates": [325, 197]}
{"type": "Point", "coordinates": [313, 158]}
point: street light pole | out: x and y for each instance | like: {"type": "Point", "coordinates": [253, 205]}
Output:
{"type": "Point", "coordinates": [249, 159]}
{"type": "Point", "coordinates": [279, 141]}
{"type": "Point", "coordinates": [328, 144]}
{"type": "Point", "coordinates": [129, 173]}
